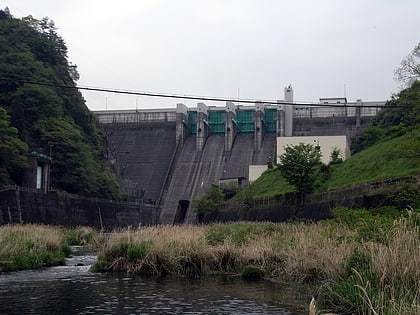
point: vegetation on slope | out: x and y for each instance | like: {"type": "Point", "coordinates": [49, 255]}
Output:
{"type": "Point", "coordinates": [47, 117]}
{"type": "Point", "coordinates": [389, 148]}
{"type": "Point", "coordinates": [271, 184]}
{"type": "Point", "coordinates": [401, 114]}
{"type": "Point", "coordinates": [394, 158]}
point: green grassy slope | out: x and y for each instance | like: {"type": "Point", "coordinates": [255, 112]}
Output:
{"type": "Point", "coordinates": [394, 158]}
{"type": "Point", "coordinates": [270, 184]}
{"type": "Point", "coordinates": [390, 159]}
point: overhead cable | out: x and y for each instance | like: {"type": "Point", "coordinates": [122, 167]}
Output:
{"type": "Point", "coordinates": [188, 97]}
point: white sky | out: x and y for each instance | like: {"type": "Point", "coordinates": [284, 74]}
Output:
{"type": "Point", "coordinates": [250, 48]}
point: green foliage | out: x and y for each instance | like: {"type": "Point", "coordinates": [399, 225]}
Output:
{"type": "Point", "coordinates": [47, 117]}
{"type": "Point", "coordinates": [22, 249]}
{"type": "Point", "coordinates": [409, 69]}
{"type": "Point", "coordinates": [80, 236]}
{"type": "Point", "coordinates": [298, 165]}
{"type": "Point", "coordinates": [336, 156]}
{"type": "Point", "coordinates": [100, 266]}
{"type": "Point", "coordinates": [238, 233]}
{"type": "Point", "coordinates": [270, 184]}
{"type": "Point", "coordinates": [405, 195]}
{"type": "Point", "coordinates": [369, 225]}
{"type": "Point", "coordinates": [137, 251]}
{"type": "Point", "coordinates": [243, 199]}
{"type": "Point", "coordinates": [13, 151]}
{"type": "Point", "coordinates": [394, 158]}
{"type": "Point", "coordinates": [209, 203]}
{"type": "Point", "coordinates": [400, 115]}
{"type": "Point", "coordinates": [359, 260]}
{"type": "Point", "coordinates": [359, 282]}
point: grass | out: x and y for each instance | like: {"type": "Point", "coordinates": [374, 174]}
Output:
{"type": "Point", "coordinates": [31, 246]}
{"type": "Point", "coordinates": [362, 262]}
{"type": "Point", "coordinates": [270, 184]}
{"type": "Point", "coordinates": [394, 158]}
{"type": "Point", "coordinates": [34, 246]}
{"type": "Point", "coordinates": [381, 277]}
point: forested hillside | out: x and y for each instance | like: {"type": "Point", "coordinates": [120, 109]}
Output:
{"type": "Point", "coordinates": [38, 114]}
{"type": "Point", "coordinates": [400, 115]}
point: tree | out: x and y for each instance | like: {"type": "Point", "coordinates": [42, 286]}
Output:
{"type": "Point", "coordinates": [299, 165]}
{"type": "Point", "coordinates": [49, 118]}
{"type": "Point", "coordinates": [400, 115]}
{"type": "Point", "coordinates": [409, 70]}
{"type": "Point", "coordinates": [335, 157]}
{"type": "Point", "coordinates": [13, 151]}
{"type": "Point", "coordinates": [5, 14]}
{"type": "Point", "coordinates": [211, 202]}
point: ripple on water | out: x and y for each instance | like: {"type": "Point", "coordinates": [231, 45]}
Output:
{"type": "Point", "coordinates": [74, 289]}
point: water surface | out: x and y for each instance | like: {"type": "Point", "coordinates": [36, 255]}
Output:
{"type": "Point", "coordinates": [73, 289]}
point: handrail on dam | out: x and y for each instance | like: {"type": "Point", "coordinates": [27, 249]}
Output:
{"type": "Point", "coordinates": [134, 116]}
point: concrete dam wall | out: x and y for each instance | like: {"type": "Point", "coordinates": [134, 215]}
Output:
{"type": "Point", "coordinates": [141, 154]}
{"type": "Point", "coordinates": [168, 158]}
{"type": "Point", "coordinates": [195, 171]}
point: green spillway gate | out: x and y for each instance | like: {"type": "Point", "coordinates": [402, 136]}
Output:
{"type": "Point", "coordinates": [216, 121]}
{"type": "Point", "coordinates": [270, 120]}
{"type": "Point", "coordinates": [192, 122]}
{"type": "Point", "coordinates": [245, 120]}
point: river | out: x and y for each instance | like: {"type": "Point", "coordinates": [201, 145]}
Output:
{"type": "Point", "coordinates": [74, 289]}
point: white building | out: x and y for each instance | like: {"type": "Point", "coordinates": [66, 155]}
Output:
{"type": "Point", "coordinates": [326, 143]}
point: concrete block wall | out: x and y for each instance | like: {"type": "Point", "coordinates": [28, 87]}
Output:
{"type": "Point", "coordinates": [23, 206]}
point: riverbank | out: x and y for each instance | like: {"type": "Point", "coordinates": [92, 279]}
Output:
{"type": "Point", "coordinates": [361, 262]}
{"type": "Point", "coordinates": [364, 262]}
{"type": "Point", "coordinates": [35, 246]}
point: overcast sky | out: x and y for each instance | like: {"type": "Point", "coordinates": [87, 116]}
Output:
{"type": "Point", "coordinates": [246, 48]}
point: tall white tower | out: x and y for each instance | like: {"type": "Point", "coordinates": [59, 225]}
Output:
{"type": "Point", "coordinates": [288, 111]}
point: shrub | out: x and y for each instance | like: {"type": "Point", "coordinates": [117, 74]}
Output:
{"type": "Point", "coordinates": [137, 251]}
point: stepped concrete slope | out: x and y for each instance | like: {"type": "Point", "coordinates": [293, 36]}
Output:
{"type": "Point", "coordinates": [193, 175]}
{"type": "Point", "coordinates": [142, 153]}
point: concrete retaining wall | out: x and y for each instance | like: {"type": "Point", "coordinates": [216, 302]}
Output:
{"type": "Point", "coordinates": [284, 212]}
{"type": "Point", "coordinates": [25, 206]}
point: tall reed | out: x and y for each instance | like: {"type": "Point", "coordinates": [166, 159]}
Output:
{"type": "Point", "coordinates": [31, 246]}
{"type": "Point", "coordinates": [355, 269]}
{"type": "Point", "coordinates": [382, 277]}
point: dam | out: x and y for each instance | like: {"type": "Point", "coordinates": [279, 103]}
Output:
{"type": "Point", "coordinates": [168, 157]}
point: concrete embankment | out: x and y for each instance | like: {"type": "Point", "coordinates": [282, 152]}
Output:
{"type": "Point", "coordinates": [27, 206]}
